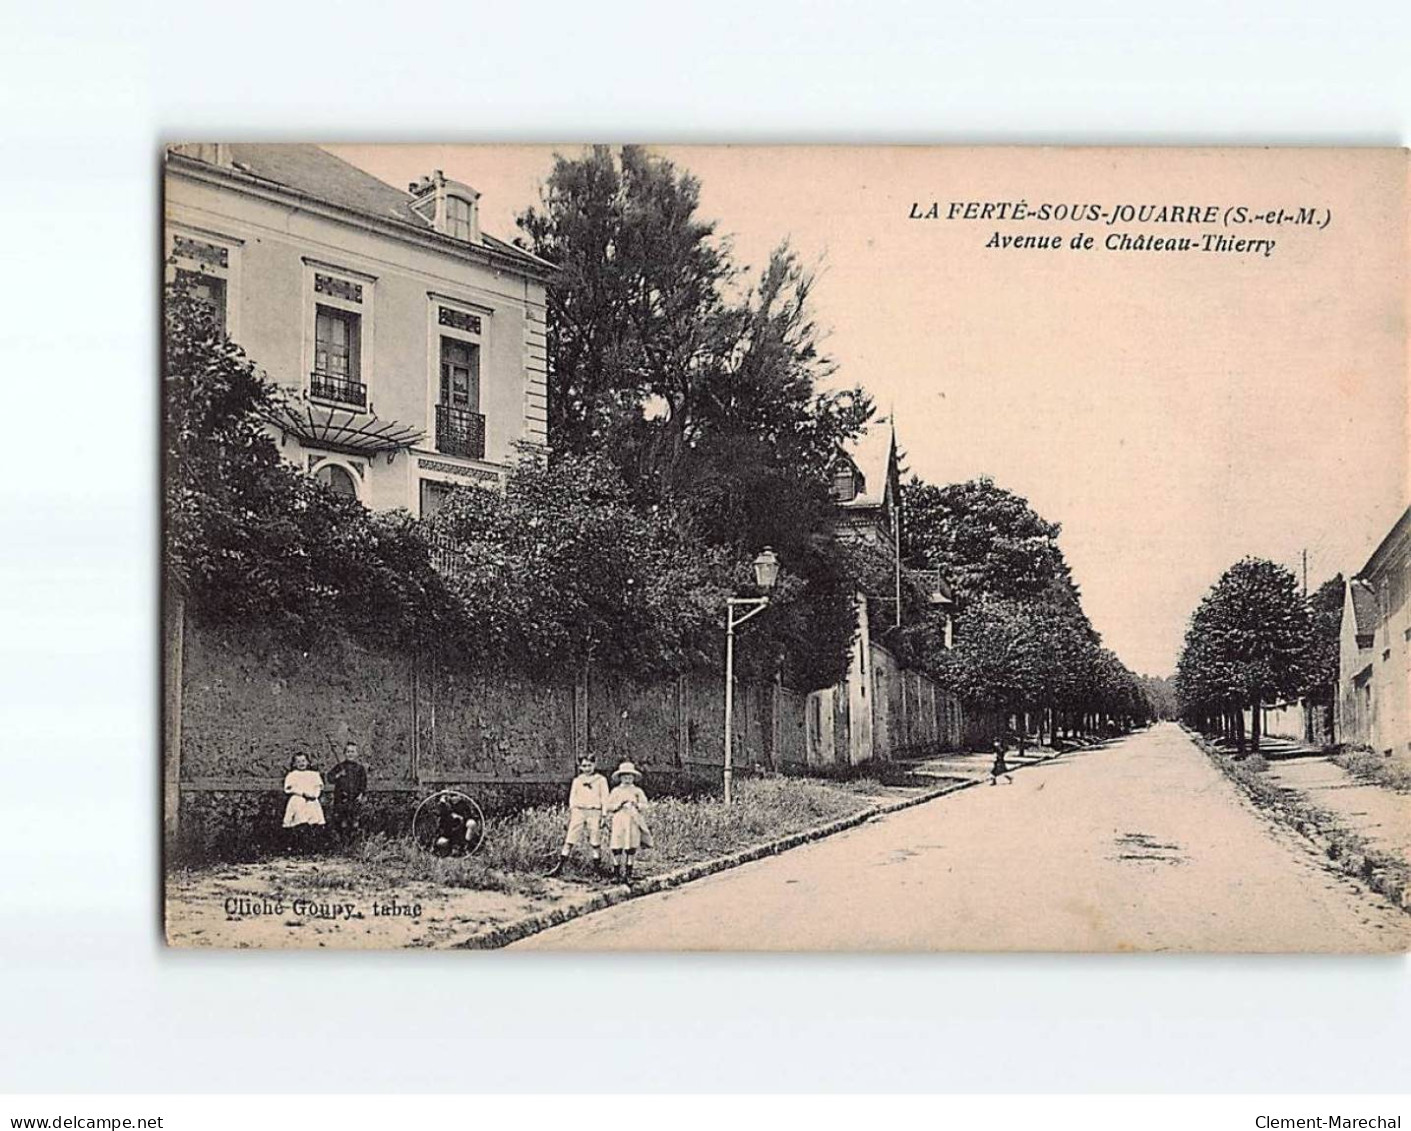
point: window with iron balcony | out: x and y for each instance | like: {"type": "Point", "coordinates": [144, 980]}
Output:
{"type": "Point", "coordinates": [336, 358]}
{"type": "Point", "coordinates": [460, 427]}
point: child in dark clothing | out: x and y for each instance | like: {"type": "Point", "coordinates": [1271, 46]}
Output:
{"type": "Point", "coordinates": [349, 781]}
{"type": "Point", "coordinates": [1000, 765]}
{"type": "Point", "coordinates": [457, 830]}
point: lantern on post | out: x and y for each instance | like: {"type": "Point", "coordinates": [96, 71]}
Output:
{"type": "Point", "coordinates": [737, 611]}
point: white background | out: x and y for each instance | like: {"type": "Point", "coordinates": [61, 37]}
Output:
{"type": "Point", "coordinates": [89, 999]}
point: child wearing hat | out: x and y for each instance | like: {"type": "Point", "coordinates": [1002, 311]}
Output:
{"type": "Point", "coordinates": [629, 830]}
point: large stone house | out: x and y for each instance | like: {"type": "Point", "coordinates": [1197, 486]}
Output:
{"type": "Point", "coordinates": [410, 343]}
{"type": "Point", "coordinates": [1374, 660]}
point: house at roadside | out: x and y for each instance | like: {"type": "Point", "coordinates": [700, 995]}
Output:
{"type": "Point", "coordinates": [867, 496]}
{"type": "Point", "coordinates": [409, 341]}
{"type": "Point", "coordinates": [1374, 655]}
{"type": "Point", "coordinates": [880, 709]}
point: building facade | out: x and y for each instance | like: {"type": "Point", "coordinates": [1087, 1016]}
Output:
{"type": "Point", "coordinates": [1374, 659]}
{"type": "Point", "coordinates": [409, 343]}
{"type": "Point", "coordinates": [868, 714]}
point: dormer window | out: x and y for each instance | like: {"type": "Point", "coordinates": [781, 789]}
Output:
{"type": "Point", "coordinates": [448, 206]}
{"type": "Point", "coordinates": [460, 217]}
{"type": "Point", "coordinates": [847, 483]}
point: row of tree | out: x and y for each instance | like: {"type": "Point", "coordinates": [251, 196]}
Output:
{"type": "Point", "coordinates": [1255, 639]}
{"type": "Point", "coordinates": [1023, 645]}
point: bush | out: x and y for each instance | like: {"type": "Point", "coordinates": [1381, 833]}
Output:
{"type": "Point", "coordinates": [251, 540]}
{"type": "Point", "coordinates": [561, 567]}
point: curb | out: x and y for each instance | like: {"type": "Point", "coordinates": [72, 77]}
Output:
{"type": "Point", "coordinates": [494, 938]}
{"type": "Point", "coordinates": [1338, 846]}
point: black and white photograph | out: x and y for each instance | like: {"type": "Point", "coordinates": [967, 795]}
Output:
{"type": "Point", "coordinates": [730, 548]}
{"type": "Point", "coordinates": [727, 565]}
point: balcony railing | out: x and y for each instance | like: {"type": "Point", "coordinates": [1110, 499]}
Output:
{"type": "Point", "coordinates": [327, 387]}
{"type": "Point", "coordinates": [460, 432]}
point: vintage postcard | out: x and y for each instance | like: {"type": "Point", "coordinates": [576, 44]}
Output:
{"type": "Point", "coordinates": [786, 548]}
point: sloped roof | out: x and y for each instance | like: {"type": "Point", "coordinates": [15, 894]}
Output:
{"type": "Point", "coordinates": [1386, 552]}
{"type": "Point", "coordinates": [1364, 607]}
{"type": "Point", "coordinates": [871, 453]}
{"type": "Point", "coordinates": [314, 172]}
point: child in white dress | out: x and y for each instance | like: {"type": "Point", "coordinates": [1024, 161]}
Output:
{"type": "Point", "coordinates": [629, 829]}
{"type": "Point", "coordinates": [303, 813]}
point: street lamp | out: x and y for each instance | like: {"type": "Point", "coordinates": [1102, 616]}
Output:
{"type": "Point", "coordinates": [766, 574]}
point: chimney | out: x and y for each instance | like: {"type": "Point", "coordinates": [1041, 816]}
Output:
{"type": "Point", "coordinates": [211, 152]}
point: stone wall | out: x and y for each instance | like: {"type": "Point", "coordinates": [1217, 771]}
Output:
{"type": "Point", "coordinates": [912, 714]}
{"type": "Point", "coordinates": [247, 706]}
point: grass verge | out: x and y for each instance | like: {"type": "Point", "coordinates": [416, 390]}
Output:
{"type": "Point", "coordinates": [1349, 853]}
{"type": "Point", "coordinates": [518, 848]}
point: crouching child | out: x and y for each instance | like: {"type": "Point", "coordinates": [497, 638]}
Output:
{"type": "Point", "coordinates": [457, 830]}
{"type": "Point", "coordinates": [629, 829]}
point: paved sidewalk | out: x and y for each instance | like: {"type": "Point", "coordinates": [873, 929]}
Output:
{"type": "Point", "coordinates": [1380, 816]}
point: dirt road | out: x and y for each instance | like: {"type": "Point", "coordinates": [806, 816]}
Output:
{"type": "Point", "coordinates": [1142, 845]}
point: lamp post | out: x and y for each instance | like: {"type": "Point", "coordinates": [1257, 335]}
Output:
{"type": "Point", "coordinates": [766, 573]}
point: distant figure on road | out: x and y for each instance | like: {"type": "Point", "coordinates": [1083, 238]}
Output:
{"type": "Point", "coordinates": [629, 830]}
{"type": "Point", "coordinates": [303, 813]}
{"type": "Point", "coordinates": [1000, 765]}
{"type": "Point", "coordinates": [349, 781]}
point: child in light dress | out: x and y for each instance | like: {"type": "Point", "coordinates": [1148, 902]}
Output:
{"type": "Point", "coordinates": [629, 830]}
{"type": "Point", "coordinates": [303, 813]}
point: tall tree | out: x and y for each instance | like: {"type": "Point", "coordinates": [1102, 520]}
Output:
{"type": "Point", "coordinates": [652, 360]}
{"type": "Point", "coordinates": [701, 385]}
{"type": "Point", "coordinates": [1023, 642]}
{"type": "Point", "coordinates": [637, 299]}
{"type": "Point", "coordinates": [1249, 640]}
{"type": "Point", "coordinates": [996, 663]}
{"type": "Point", "coordinates": [986, 540]}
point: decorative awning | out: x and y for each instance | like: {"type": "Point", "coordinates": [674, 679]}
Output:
{"type": "Point", "coordinates": [359, 432]}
